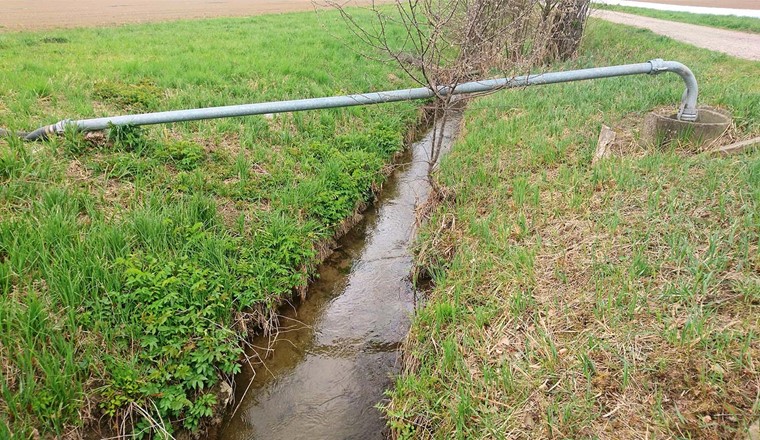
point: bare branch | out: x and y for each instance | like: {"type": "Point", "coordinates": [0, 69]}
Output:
{"type": "Point", "coordinates": [445, 43]}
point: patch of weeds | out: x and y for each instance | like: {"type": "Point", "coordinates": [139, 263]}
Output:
{"type": "Point", "coordinates": [190, 181]}
{"type": "Point", "coordinates": [13, 158]}
{"type": "Point", "coordinates": [184, 155]}
{"type": "Point", "coordinates": [18, 162]}
{"type": "Point", "coordinates": [145, 94]}
{"type": "Point", "coordinates": [128, 138]}
{"type": "Point", "coordinates": [342, 178]}
{"type": "Point", "coordinates": [180, 308]}
{"type": "Point", "coordinates": [383, 139]}
{"type": "Point", "coordinates": [42, 90]}
{"type": "Point", "coordinates": [55, 40]}
{"type": "Point", "coordinates": [266, 269]}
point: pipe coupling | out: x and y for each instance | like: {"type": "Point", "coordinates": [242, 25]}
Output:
{"type": "Point", "coordinates": [658, 66]}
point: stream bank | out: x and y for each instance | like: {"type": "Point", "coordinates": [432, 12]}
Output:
{"type": "Point", "coordinates": [336, 353]}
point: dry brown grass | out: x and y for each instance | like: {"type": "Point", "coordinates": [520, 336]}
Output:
{"type": "Point", "coordinates": [615, 300]}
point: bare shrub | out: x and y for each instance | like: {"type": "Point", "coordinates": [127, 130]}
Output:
{"type": "Point", "coordinates": [444, 43]}
{"type": "Point", "coordinates": [563, 22]}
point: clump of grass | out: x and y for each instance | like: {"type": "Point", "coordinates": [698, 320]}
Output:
{"type": "Point", "coordinates": [574, 300]}
{"type": "Point", "coordinates": [129, 138]}
{"type": "Point", "coordinates": [55, 40]}
{"type": "Point", "coordinates": [184, 155]}
{"type": "Point", "coordinates": [142, 95]}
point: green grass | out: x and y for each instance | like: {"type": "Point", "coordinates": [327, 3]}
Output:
{"type": "Point", "coordinates": [745, 24]}
{"type": "Point", "coordinates": [571, 300]}
{"type": "Point", "coordinates": [131, 265]}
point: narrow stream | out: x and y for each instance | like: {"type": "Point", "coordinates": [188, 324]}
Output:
{"type": "Point", "coordinates": [338, 350]}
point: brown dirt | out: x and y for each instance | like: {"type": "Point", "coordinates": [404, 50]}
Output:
{"type": "Point", "coordinates": [49, 14]}
{"type": "Point", "coordinates": [731, 4]}
{"type": "Point", "coordinates": [734, 43]}
{"type": "Point", "coordinates": [18, 15]}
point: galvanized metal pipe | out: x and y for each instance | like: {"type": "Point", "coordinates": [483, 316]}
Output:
{"type": "Point", "coordinates": [688, 109]}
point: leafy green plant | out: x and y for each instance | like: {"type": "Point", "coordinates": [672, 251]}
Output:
{"type": "Point", "coordinates": [180, 309]}
{"type": "Point", "coordinates": [128, 138]}
{"type": "Point", "coordinates": [266, 269]}
{"type": "Point", "coordinates": [383, 139]}
{"type": "Point", "coordinates": [184, 155]}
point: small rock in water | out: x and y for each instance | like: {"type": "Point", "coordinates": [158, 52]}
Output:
{"type": "Point", "coordinates": [225, 393]}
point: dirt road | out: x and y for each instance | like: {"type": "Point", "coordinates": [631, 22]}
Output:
{"type": "Point", "coordinates": [732, 4]}
{"type": "Point", "coordinates": [19, 15]}
{"type": "Point", "coordinates": [738, 44]}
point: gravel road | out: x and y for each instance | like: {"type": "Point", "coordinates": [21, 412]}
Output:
{"type": "Point", "coordinates": [738, 44]}
{"type": "Point", "coordinates": [733, 4]}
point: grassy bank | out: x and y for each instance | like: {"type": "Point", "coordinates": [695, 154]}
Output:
{"type": "Point", "coordinates": [744, 24]}
{"type": "Point", "coordinates": [130, 265]}
{"type": "Point", "coordinates": [571, 300]}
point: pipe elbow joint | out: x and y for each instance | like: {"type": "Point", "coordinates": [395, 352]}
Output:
{"type": "Point", "coordinates": [688, 109]}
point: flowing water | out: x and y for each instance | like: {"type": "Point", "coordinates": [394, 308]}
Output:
{"type": "Point", "coordinates": [338, 350]}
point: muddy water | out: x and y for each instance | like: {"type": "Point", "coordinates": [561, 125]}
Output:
{"type": "Point", "coordinates": [338, 350]}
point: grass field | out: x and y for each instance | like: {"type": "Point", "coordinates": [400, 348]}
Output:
{"type": "Point", "coordinates": [131, 264]}
{"type": "Point", "coordinates": [745, 24]}
{"type": "Point", "coordinates": [570, 300]}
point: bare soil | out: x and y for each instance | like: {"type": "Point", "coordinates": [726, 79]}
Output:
{"type": "Point", "coordinates": [18, 15]}
{"type": "Point", "coordinates": [735, 43]}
